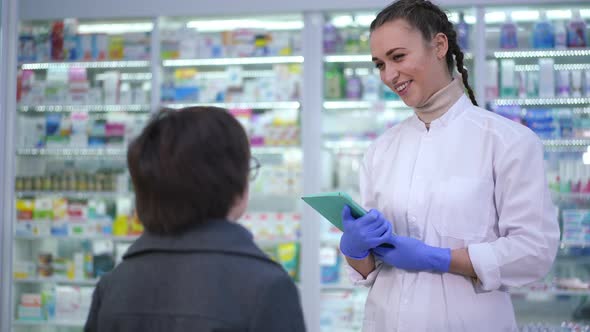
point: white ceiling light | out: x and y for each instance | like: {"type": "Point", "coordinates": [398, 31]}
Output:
{"type": "Point", "coordinates": [559, 14]}
{"type": "Point", "coordinates": [342, 21]}
{"type": "Point", "coordinates": [453, 17]}
{"type": "Point", "coordinates": [364, 20]}
{"type": "Point", "coordinates": [495, 17]}
{"type": "Point", "coordinates": [115, 28]}
{"type": "Point", "coordinates": [224, 25]}
{"type": "Point", "coordinates": [525, 15]}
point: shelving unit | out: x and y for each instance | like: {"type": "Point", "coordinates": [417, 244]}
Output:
{"type": "Point", "coordinates": [87, 108]}
{"type": "Point", "coordinates": [347, 146]}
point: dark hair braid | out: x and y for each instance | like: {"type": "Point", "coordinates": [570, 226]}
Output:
{"type": "Point", "coordinates": [430, 20]}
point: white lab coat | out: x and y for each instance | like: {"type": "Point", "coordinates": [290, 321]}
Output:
{"type": "Point", "coordinates": [475, 180]}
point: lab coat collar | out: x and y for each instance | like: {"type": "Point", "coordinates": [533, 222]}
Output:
{"type": "Point", "coordinates": [215, 236]}
{"type": "Point", "coordinates": [457, 109]}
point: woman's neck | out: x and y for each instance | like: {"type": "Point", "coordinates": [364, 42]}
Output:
{"type": "Point", "coordinates": [440, 102]}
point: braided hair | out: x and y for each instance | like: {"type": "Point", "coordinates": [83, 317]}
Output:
{"type": "Point", "coordinates": [430, 20]}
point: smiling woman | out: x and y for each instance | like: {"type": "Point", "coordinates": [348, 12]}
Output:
{"type": "Point", "coordinates": [463, 189]}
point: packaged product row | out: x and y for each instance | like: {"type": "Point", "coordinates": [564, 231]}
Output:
{"type": "Point", "coordinates": [568, 173]}
{"type": "Point", "coordinates": [75, 180]}
{"type": "Point", "coordinates": [275, 127]}
{"type": "Point", "coordinates": [190, 43]}
{"type": "Point", "coordinates": [62, 41]}
{"type": "Point", "coordinates": [81, 261]}
{"type": "Point", "coordinates": [233, 85]}
{"type": "Point", "coordinates": [563, 327]}
{"type": "Point", "coordinates": [55, 215]}
{"type": "Point", "coordinates": [349, 34]}
{"type": "Point", "coordinates": [349, 83]}
{"type": "Point", "coordinates": [544, 33]}
{"type": "Point", "coordinates": [550, 123]}
{"type": "Point", "coordinates": [287, 255]}
{"type": "Point", "coordinates": [75, 86]}
{"type": "Point", "coordinates": [342, 310]}
{"type": "Point", "coordinates": [576, 227]}
{"type": "Point", "coordinates": [78, 130]}
{"type": "Point", "coordinates": [59, 303]}
{"type": "Point", "coordinates": [273, 226]}
{"type": "Point", "coordinates": [544, 81]}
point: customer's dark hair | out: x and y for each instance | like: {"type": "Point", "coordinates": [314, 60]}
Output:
{"type": "Point", "coordinates": [187, 167]}
{"type": "Point", "coordinates": [430, 20]}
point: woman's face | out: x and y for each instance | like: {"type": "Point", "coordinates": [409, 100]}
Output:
{"type": "Point", "coordinates": [410, 66]}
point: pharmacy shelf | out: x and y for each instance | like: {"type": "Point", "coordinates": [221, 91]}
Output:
{"type": "Point", "coordinates": [260, 150]}
{"type": "Point", "coordinates": [72, 194]}
{"type": "Point", "coordinates": [273, 243]}
{"type": "Point", "coordinates": [50, 323]}
{"type": "Point", "coordinates": [570, 196]}
{"type": "Point", "coordinates": [523, 53]}
{"type": "Point", "coordinates": [572, 66]}
{"type": "Point", "coordinates": [347, 144]}
{"type": "Point", "coordinates": [252, 105]}
{"type": "Point", "coordinates": [355, 58]}
{"type": "Point", "coordinates": [551, 292]}
{"type": "Point", "coordinates": [61, 281]}
{"type": "Point", "coordinates": [244, 73]}
{"type": "Point", "coordinates": [358, 104]}
{"type": "Point", "coordinates": [580, 245]}
{"type": "Point", "coordinates": [72, 152]}
{"type": "Point", "coordinates": [573, 145]}
{"type": "Point", "coordinates": [233, 61]}
{"type": "Point", "coordinates": [87, 64]}
{"type": "Point", "coordinates": [85, 108]}
{"type": "Point", "coordinates": [337, 287]}
{"type": "Point", "coordinates": [130, 238]}
{"type": "Point", "coordinates": [544, 102]}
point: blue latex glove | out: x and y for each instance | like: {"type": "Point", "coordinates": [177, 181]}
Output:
{"type": "Point", "coordinates": [414, 255]}
{"type": "Point", "coordinates": [362, 234]}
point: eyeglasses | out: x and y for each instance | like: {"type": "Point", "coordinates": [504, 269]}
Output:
{"type": "Point", "coordinates": [254, 168]}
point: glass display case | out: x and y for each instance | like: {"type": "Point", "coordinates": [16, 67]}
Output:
{"type": "Point", "coordinates": [83, 92]}
{"type": "Point", "coordinates": [538, 74]}
{"type": "Point", "coordinates": [251, 66]}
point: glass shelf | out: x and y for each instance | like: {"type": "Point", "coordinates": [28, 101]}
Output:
{"type": "Point", "coordinates": [66, 152]}
{"type": "Point", "coordinates": [129, 238]}
{"type": "Point", "coordinates": [540, 53]}
{"type": "Point", "coordinates": [87, 108]}
{"type": "Point", "coordinates": [253, 105]}
{"type": "Point", "coordinates": [347, 144]}
{"type": "Point", "coordinates": [358, 104]}
{"type": "Point", "coordinates": [337, 287]}
{"type": "Point", "coordinates": [352, 58]}
{"type": "Point", "coordinates": [73, 194]}
{"type": "Point", "coordinates": [571, 66]}
{"type": "Point", "coordinates": [87, 64]}
{"type": "Point", "coordinates": [570, 196]}
{"type": "Point", "coordinates": [233, 61]}
{"type": "Point", "coordinates": [552, 292]}
{"type": "Point", "coordinates": [566, 145]}
{"type": "Point", "coordinates": [543, 101]}
{"type": "Point", "coordinates": [61, 281]}
{"type": "Point", "coordinates": [258, 150]}
{"type": "Point", "coordinates": [50, 323]}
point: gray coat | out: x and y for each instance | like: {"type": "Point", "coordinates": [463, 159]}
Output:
{"type": "Point", "coordinates": [212, 278]}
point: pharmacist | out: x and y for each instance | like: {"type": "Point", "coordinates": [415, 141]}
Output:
{"type": "Point", "coordinates": [463, 188]}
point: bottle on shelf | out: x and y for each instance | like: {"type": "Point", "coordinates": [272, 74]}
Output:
{"type": "Point", "coordinates": [334, 82]}
{"type": "Point", "coordinates": [331, 38]}
{"type": "Point", "coordinates": [462, 29]}
{"type": "Point", "coordinates": [508, 34]}
{"type": "Point", "coordinates": [543, 33]}
{"type": "Point", "coordinates": [576, 31]}
{"type": "Point", "coordinates": [353, 85]}
{"type": "Point", "coordinates": [560, 35]}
